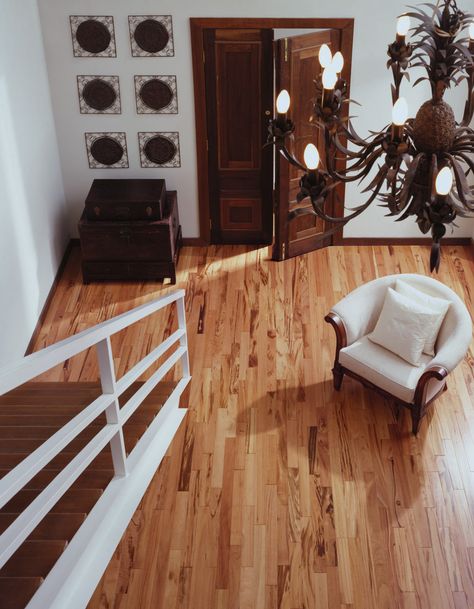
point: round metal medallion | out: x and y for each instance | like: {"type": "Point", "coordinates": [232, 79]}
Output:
{"type": "Point", "coordinates": [93, 36]}
{"type": "Point", "coordinates": [107, 151]}
{"type": "Point", "coordinates": [159, 150]}
{"type": "Point", "coordinates": [151, 36]}
{"type": "Point", "coordinates": [156, 94]}
{"type": "Point", "coordinates": [99, 94]}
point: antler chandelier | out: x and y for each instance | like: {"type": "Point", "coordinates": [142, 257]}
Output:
{"type": "Point", "coordinates": [417, 167]}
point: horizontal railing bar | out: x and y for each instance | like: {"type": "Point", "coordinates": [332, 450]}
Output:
{"type": "Point", "coordinates": [27, 521]}
{"type": "Point", "coordinates": [155, 426]}
{"type": "Point", "coordinates": [137, 398]}
{"type": "Point", "coordinates": [22, 473]}
{"type": "Point", "coordinates": [32, 365]}
{"type": "Point", "coordinates": [134, 373]}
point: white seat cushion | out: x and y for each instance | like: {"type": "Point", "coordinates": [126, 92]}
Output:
{"type": "Point", "coordinates": [383, 368]}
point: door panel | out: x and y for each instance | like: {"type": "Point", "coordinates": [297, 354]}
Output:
{"type": "Point", "coordinates": [297, 67]}
{"type": "Point", "coordinates": [239, 89]}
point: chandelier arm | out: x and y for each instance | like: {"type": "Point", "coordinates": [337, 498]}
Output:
{"type": "Point", "coordinates": [344, 176]}
{"type": "Point", "coordinates": [352, 135]}
{"type": "Point", "coordinates": [368, 147]}
{"type": "Point", "coordinates": [290, 158]}
{"type": "Point", "coordinates": [357, 211]}
{"type": "Point", "coordinates": [461, 183]}
{"type": "Point", "coordinates": [462, 150]}
{"type": "Point", "coordinates": [468, 148]}
{"type": "Point", "coordinates": [465, 134]}
{"type": "Point", "coordinates": [364, 158]}
{"type": "Point", "coordinates": [469, 108]}
{"type": "Point", "coordinates": [469, 162]}
{"type": "Point", "coordinates": [405, 188]}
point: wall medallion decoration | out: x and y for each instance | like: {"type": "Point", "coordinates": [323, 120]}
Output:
{"type": "Point", "coordinates": [93, 36]}
{"type": "Point", "coordinates": [99, 94]}
{"type": "Point", "coordinates": [107, 150]}
{"type": "Point", "coordinates": [159, 149]}
{"type": "Point", "coordinates": [156, 94]}
{"type": "Point", "coordinates": [151, 35]}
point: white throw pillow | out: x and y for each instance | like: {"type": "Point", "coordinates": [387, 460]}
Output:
{"type": "Point", "coordinates": [437, 305]}
{"type": "Point", "coordinates": [403, 327]}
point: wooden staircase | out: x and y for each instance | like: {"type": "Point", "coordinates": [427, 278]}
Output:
{"type": "Point", "coordinates": [30, 415]}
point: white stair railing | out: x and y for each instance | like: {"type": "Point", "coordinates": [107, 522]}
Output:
{"type": "Point", "coordinates": [72, 580]}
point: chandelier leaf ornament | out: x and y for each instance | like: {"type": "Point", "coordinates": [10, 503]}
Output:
{"type": "Point", "coordinates": [420, 166]}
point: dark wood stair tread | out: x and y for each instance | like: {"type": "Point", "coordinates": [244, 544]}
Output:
{"type": "Point", "coordinates": [37, 432]}
{"type": "Point", "coordinates": [16, 592]}
{"type": "Point", "coordinates": [90, 478]}
{"type": "Point", "coordinates": [53, 526]}
{"type": "Point", "coordinates": [34, 559]}
{"type": "Point", "coordinates": [102, 461]}
{"type": "Point", "coordinates": [73, 395]}
{"type": "Point", "coordinates": [29, 445]}
{"type": "Point", "coordinates": [73, 501]}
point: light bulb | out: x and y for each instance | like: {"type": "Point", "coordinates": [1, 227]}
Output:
{"type": "Point", "coordinates": [471, 31]}
{"type": "Point", "coordinates": [403, 25]}
{"type": "Point", "coordinates": [400, 112]}
{"type": "Point", "coordinates": [325, 56]}
{"type": "Point", "coordinates": [311, 157]}
{"type": "Point", "coordinates": [283, 102]}
{"type": "Point", "coordinates": [329, 78]}
{"type": "Point", "coordinates": [337, 62]}
{"type": "Point", "coordinates": [444, 181]}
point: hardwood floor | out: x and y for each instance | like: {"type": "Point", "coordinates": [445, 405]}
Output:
{"type": "Point", "coordinates": [277, 491]}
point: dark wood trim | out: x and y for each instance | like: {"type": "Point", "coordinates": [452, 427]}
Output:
{"type": "Point", "coordinates": [193, 242]}
{"type": "Point", "coordinates": [419, 405]}
{"type": "Point", "coordinates": [270, 22]}
{"type": "Point", "coordinates": [403, 241]}
{"type": "Point", "coordinates": [198, 25]}
{"type": "Point", "coordinates": [42, 316]}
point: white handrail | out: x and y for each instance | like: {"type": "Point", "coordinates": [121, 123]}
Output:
{"type": "Point", "coordinates": [37, 363]}
{"type": "Point", "coordinates": [31, 366]}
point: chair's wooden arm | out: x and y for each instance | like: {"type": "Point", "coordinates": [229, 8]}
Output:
{"type": "Point", "coordinates": [340, 330]}
{"type": "Point", "coordinates": [438, 373]}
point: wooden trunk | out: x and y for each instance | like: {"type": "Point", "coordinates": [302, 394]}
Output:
{"type": "Point", "coordinates": [135, 250]}
{"type": "Point", "coordinates": [126, 200]}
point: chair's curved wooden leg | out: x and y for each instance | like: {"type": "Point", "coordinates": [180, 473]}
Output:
{"type": "Point", "coordinates": [415, 419]}
{"type": "Point", "coordinates": [341, 342]}
{"type": "Point", "coordinates": [338, 376]}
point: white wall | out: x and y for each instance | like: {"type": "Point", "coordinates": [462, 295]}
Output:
{"type": "Point", "coordinates": [33, 223]}
{"type": "Point", "coordinates": [374, 29]}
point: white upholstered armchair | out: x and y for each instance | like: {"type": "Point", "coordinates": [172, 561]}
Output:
{"type": "Point", "coordinates": [414, 387]}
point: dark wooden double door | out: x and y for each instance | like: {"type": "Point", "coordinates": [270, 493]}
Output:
{"type": "Point", "coordinates": [242, 67]}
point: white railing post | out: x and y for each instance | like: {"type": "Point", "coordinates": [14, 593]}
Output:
{"type": "Point", "coordinates": [183, 341]}
{"type": "Point", "coordinates": [108, 382]}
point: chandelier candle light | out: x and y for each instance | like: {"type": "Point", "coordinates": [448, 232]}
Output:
{"type": "Point", "coordinates": [418, 166]}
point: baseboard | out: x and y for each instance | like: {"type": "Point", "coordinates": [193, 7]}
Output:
{"type": "Point", "coordinates": [44, 310]}
{"type": "Point", "coordinates": [194, 242]}
{"type": "Point", "coordinates": [404, 241]}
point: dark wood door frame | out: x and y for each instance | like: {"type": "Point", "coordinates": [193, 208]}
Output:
{"type": "Point", "coordinates": [198, 25]}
